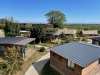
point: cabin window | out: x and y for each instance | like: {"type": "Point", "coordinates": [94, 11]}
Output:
{"type": "Point", "coordinates": [59, 58]}
{"type": "Point", "coordinates": [70, 65]}
{"type": "Point", "coordinates": [96, 43]}
{"type": "Point", "coordinates": [53, 54]}
{"type": "Point", "coordinates": [99, 62]}
{"type": "Point", "coordinates": [1, 48]}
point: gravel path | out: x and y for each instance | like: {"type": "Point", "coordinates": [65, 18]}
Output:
{"type": "Point", "coordinates": [36, 68]}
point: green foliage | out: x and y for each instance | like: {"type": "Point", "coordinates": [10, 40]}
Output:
{"type": "Point", "coordinates": [13, 61]}
{"type": "Point", "coordinates": [42, 49]}
{"type": "Point", "coordinates": [62, 41]}
{"type": "Point", "coordinates": [27, 27]}
{"type": "Point", "coordinates": [3, 67]}
{"type": "Point", "coordinates": [2, 26]}
{"type": "Point", "coordinates": [45, 44]}
{"type": "Point", "coordinates": [11, 27]}
{"type": "Point", "coordinates": [56, 18]}
{"type": "Point", "coordinates": [3, 20]}
{"type": "Point", "coordinates": [38, 32]}
{"type": "Point", "coordinates": [84, 39]}
{"type": "Point", "coordinates": [52, 30]}
{"type": "Point", "coordinates": [68, 39]}
{"type": "Point", "coordinates": [78, 38]}
{"type": "Point", "coordinates": [86, 29]}
{"type": "Point", "coordinates": [63, 36]}
{"type": "Point", "coordinates": [99, 31]}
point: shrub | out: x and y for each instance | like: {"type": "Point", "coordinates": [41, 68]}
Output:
{"type": "Point", "coordinates": [84, 39]}
{"type": "Point", "coordinates": [62, 42]}
{"type": "Point", "coordinates": [68, 39]}
{"type": "Point", "coordinates": [42, 49]}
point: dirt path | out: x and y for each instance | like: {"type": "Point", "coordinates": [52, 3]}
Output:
{"type": "Point", "coordinates": [36, 68]}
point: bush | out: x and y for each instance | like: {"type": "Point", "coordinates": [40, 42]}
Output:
{"type": "Point", "coordinates": [42, 49]}
{"type": "Point", "coordinates": [68, 39]}
{"type": "Point", "coordinates": [62, 42]}
{"type": "Point", "coordinates": [84, 39]}
{"type": "Point", "coordinates": [2, 26]}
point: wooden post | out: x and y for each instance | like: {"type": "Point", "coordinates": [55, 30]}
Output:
{"type": "Point", "coordinates": [34, 44]}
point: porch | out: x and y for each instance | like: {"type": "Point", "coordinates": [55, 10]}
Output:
{"type": "Point", "coordinates": [26, 49]}
{"type": "Point", "coordinates": [28, 53]}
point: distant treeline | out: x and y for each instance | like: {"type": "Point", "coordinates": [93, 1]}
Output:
{"type": "Point", "coordinates": [79, 27]}
{"type": "Point", "coordinates": [28, 27]}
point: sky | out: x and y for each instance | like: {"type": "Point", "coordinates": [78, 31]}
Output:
{"type": "Point", "coordinates": [33, 11]}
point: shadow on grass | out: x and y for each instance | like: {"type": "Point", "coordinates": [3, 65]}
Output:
{"type": "Point", "coordinates": [47, 70]}
{"type": "Point", "coordinates": [39, 65]}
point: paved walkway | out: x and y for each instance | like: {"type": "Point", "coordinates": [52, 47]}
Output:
{"type": "Point", "coordinates": [36, 68]}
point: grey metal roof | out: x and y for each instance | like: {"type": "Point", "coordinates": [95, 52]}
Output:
{"type": "Point", "coordinates": [96, 38]}
{"type": "Point", "coordinates": [80, 53]}
{"type": "Point", "coordinates": [50, 32]}
{"type": "Point", "coordinates": [24, 41]}
{"type": "Point", "coordinates": [91, 37]}
{"type": "Point", "coordinates": [10, 40]}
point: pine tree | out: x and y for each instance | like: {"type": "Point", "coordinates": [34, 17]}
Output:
{"type": "Point", "coordinates": [11, 27]}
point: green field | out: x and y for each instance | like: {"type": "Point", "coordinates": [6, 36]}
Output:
{"type": "Point", "coordinates": [81, 27]}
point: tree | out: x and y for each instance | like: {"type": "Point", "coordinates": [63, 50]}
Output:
{"type": "Point", "coordinates": [2, 26]}
{"type": "Point", "coordinates": [63, 36]}
{"type": "Point", "coordinates": [11, 27]}
{"type": "Point", "coordinates": [38, 32]}
{"type": "Point", "coordinates": [56, 18]}
{"type": "Point", "coordinates": [13, 61]}
{"type": "Point", "coordinates": [17, 29]}
{"type": "Point", "coordinates": [68, 39]}
{"type": "Point", "coordinates": [2, 20]}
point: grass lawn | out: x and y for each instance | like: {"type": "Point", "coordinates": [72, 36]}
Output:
{"type": "Point", "coordinates": [36, 55]}
{"type": "Point", "coordinates": [47, 70]}
{"type": "Point", "coordinates": [81, 27]}
{"type": "Point", "coordinates": [1, 59]}
{"type": "Point", "coordinates": [47, 44]}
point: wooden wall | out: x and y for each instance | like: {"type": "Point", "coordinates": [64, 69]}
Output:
{"type": "Point", "coordinates": [93, 69]}
{"type": "Point", "coordinates": [61, 65]}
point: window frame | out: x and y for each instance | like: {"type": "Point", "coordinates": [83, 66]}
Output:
{"type": "Point", "coordinates": [96, 43]}
{"type": "Point", "coordinates": [2, 48]}
{"type": "Point", "coordinates": [70, 65]}
{"type": "Point", "coordinates": [53, 54]}
{"type": "Point", "coordinates": [99, 62]}
{"type": "Point", "coordinates": [60, 58]}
